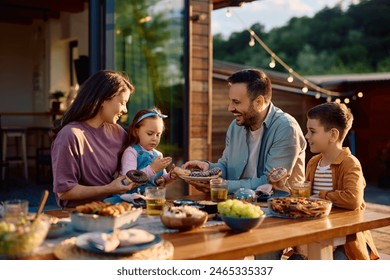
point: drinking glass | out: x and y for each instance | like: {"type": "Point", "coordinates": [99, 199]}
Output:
{"type": "Point", "coordinates": [15, 209]}
{"type": "Point", "coordinates": [301, 189]}
{"type": "Point", "coordinates": [218, 189]}
{"type": "Point", "coordinates": [155, 200]}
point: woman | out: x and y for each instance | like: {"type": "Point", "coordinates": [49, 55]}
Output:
{"type": "Point", "coordinates": [86, 145]}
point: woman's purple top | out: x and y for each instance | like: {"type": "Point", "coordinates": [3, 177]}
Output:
{"type": "Point", "coordinates": [83, 155]}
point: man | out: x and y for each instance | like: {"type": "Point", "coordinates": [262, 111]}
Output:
{"type": "Point", "coordinates": [260, 138]}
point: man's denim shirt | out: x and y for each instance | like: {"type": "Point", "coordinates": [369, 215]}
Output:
{"type": "Point", "coordinates": [282, 145]}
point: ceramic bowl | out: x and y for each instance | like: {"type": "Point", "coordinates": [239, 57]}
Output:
{"type": "Point", "coordinates": [183, 223]}
{"type": "Point", "coordinates": [94, 222]}
{"type": "Point", "coordinates": [242, 224]}
{"type": "Point", "coordinates": [208, 206]}
{"type": "Point", "coordinates": [57, 229]}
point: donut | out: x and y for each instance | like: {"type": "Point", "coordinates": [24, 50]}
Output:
{"type": "Point", "coordinates": [137, 176]}
{"type": "Point", "coordinates": [181, 171]}
{"type": "Point", "coordinates": [207, 173]}
{"type": "Point", "coordinates": [277, 174]}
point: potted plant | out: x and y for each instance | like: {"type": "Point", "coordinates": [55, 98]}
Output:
{"type": "Point", "coordinates": [56, 103]}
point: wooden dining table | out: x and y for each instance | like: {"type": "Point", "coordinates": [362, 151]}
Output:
{"type": "Point", "coordinates": [219, 242]}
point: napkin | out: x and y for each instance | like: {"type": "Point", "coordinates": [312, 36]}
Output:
{"type": "Point", "coordinates": [266, 188]}
{"type": "Point", "coordinates": [132, 197]}
{"type": "Point", "coordinates": [108, 242]}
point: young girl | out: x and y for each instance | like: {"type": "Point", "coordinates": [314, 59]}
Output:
{"type": "Point", "coordinates": [140, 152]}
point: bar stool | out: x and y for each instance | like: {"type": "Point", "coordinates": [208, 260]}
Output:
{"type": "Point", "coordinates": [17, 133]}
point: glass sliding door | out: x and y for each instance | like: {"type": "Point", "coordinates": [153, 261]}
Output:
{"type": "Point", "coordinates": [150, 47]}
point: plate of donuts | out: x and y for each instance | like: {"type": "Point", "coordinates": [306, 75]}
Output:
{"type": "Point", "coordinates": [198, 175]}
{"type": "Point", "coordinates": [201, 179]}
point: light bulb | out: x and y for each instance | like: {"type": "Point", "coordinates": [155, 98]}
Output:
{"type": "Point", "coordinates": [337, 100]}
{"type": "Point", "coordinates": [272, 63]}
{"type": "Point", "coordinates": [354, 97]}
{"type": "Point", "coordinates": [228, 13]}
{"type": "Point", "coordinates": [346, 100]}
{"type": "Point", "coordinates": [329, 99]}
{"type": "Point", "coordinates": [318, 95]}
{"type": "Point", "coordinates": [305, 89]}
{"type": "Point", "coordinates": [252, 42]}
{"type": "Point", "coordinates": [360, 94]}
{"type": "Point", "coordinates": [290, 79]}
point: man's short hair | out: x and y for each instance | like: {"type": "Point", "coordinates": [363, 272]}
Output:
{"type": "Point", "coordinates": [257, 83]}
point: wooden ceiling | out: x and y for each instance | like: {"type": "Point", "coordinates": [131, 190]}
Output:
{"type": "Point", "coordinates": [25, 11]}
{"type": "Point", "coordinates": [218, 4]}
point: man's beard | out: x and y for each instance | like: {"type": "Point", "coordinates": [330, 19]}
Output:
{"type": "Point", "coordinates": [250, 118]}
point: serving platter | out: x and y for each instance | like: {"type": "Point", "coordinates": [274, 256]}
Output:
{"type": "Point", "coordinates": [199, 179]}
{"type": "Point", "coordinates": [83, 242]}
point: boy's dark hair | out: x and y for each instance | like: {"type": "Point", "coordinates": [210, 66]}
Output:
{"type": "Point", "coordinates": [257, 83]}
{"type": "Point", "coordinates": [333, 115]}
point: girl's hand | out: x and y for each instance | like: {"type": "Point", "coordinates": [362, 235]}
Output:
{"type": "Point", "coordinates": [160, 163]}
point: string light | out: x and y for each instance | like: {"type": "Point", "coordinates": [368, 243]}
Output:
{"type": "Point", "coordinates": [292, 73]}
{"type": "Point", "coordinates": [272, 63]}
{"type": "Point", "coordinates": [252, 42]}
{"type": "Point", "coordinates": [228, 13]}
{"type": "Point", "coordinates": [346, 100]}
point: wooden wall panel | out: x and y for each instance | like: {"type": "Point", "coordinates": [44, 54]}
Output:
{"type": "Point", "coordinates": [200, 91]}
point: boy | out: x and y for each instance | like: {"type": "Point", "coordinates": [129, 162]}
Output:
{"type": "Point", "coordinates": [337, 174]}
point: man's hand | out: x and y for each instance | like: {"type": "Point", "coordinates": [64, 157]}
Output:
{"type": "Point", "coordinates": [196, 164]}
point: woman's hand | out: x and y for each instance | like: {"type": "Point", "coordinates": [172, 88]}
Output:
{"type": "Point", "coordinates": [122, 185]}
{"type": "Point", "coordinates": [196, 164]}
{"type": "Point", "coordinates": [159, 163]}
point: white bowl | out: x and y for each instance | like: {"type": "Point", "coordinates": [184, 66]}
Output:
{"type": "Point", "coordinates": [94, 222]}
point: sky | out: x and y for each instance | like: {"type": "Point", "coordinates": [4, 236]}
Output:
{"type": "Point", "coordinates": [270, 13]}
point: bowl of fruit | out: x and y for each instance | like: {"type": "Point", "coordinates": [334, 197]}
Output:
{"type": "Point", "coordinates": [240, 215]}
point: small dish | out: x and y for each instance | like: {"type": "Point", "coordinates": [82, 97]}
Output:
{"type": "Point", "coordinates": [57, 230]}
{"type": "Point", "coordinates": [208, 206]}
{"type": "Point", "coordinates": [263, 197]}
{"type": "Point", "coordinates": [180, 202]}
